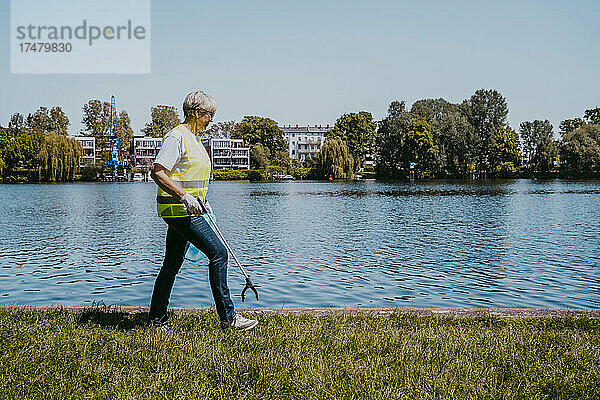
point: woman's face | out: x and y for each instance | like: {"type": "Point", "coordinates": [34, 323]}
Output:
{"type": "Point", "coordinates": [204, 118]}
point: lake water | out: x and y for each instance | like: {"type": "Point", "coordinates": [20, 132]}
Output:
{"type": "Point", "coordinates": [425, 244]}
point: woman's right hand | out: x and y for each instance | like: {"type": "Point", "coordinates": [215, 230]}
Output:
{"type": "Point", "coordinates": [192, 204]}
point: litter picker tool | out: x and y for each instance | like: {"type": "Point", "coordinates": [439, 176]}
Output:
{"type": "Point", "coordinates": [249, 284]}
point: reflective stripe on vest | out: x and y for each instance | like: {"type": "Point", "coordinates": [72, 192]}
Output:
{"type": "Point", "coordinates": [194, 180]}
{"type": "Point", "coordinates": [192, 184]}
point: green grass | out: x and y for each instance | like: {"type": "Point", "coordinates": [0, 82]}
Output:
{"type": "Point", "coordinates": [111, 355]}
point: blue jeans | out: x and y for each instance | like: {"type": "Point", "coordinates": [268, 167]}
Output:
{"type": "Point", "coordinates": [197, 231]}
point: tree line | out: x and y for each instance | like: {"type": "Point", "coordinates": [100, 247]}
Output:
{"type": "Point", "coordinates": [434, 138]}
{"type": "Point", "coordinates": [36, 148]}
{"type": "Point", "coordinates": [439, 139]}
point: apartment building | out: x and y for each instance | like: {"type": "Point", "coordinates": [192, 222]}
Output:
{"type": "Point", "coordinates": [144, 151]}
{"type": "Point", "coordinates": [227, 153]}
{"type": "Point", "coordinates": [89, 149]}
{"type": "Point", "coordinates": [304, 141]}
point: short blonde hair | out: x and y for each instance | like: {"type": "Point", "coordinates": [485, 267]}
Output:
{"type": "Point", "coordinates": [198, 99]}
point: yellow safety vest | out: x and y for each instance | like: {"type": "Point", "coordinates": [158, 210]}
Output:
{"type": "Point", "coordinates": [194, 180]}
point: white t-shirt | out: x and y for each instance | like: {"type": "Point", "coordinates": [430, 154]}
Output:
{"type": "Point", "coordinates": [172, 155]}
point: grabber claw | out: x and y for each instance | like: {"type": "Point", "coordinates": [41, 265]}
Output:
{"type": "Point", "coordinates": [249, 285]}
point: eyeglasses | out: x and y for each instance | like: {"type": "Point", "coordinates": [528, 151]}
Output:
{"type": "Point", "coordinates": [211, 113]}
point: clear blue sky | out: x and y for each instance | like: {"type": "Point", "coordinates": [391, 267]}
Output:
{"type": "Point", "coordinates": [308, 62]}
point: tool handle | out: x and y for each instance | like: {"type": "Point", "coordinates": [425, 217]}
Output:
{"type": "Point", "coordinates": [227, 245]}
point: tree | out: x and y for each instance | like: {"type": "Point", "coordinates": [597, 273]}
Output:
{"type": "Point", "coordinates": [452, 133]}
{"type": "Point", "coordinates": [581, 150]}
{"type": "Point", "coordinates": [433, 110]}
{"type": "Point", "coordinates": [396, 109]}
{"type": "Point", "coordinates": [8, 150]}
{"type": "Point", "coordinates": [254, 130]}
{"type": "Point", "coordinates": [528, 139]}
{"type": "Point", "coordinates": [163, 119]}
{"type": "Point", "coordinates": [90, 172]}
{"type": "Point", "coordinates": [96, 120]}
{"type": "Point", "coordinates": [404, 138]}
{"type": "Point", "coordinates": [30, 147]}
{"type": "Point", "coordinates": [389, 140]}
{"type": "Point", "coordinates": [547, 153]}
{"type": "Point", "coordinates": [334, 159]}
{"type": "Point", "coordinates": [220, 130]}
{"type": "Point", "coordinates": [569, 125]}
{"type": "Point", "coordinates": [48, 156]}
{"type": "Point", "coordinates": [592, 116]}
{"type": "Point", "coordinates": [58, 158]}
{"type": "Point", "coordinates": [59, 122]}
{"type": "Point", "coordinates": [124, 129]}
{"type": "Point", "coordinates": [486, 111]}
{"type": "Point", "coordinates": [5, 136]}
{"type": "Point", "coordinates": [282, 159]}
{"type": "Point", "coordinates": [505, 155]}
{"type": "Point", "coordinates": [259, 156]}
{"type": "Point", "coordinates": [39, 121]}
{"type": "Point", "coordinates": [47, 120]}
{"type": "Point", "coordinates": [21, 151]}
{"type": "Point", "coordinates": [456, 141]}
{"type": "Point", "coordinates": [16, 124]}
{"type": "Point", "coordinates": [418, 145]}
{"type": "Point", "coordinates": [359, 132]}
{"type": "Point", "coordinates": [539, 145]}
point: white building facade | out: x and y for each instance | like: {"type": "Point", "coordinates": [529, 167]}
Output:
{"type": "Point", "coordinates": [227, 153]}
{"type": "Point", "coordinates": [89, 149]}
{"type": "Point", "coordinates": [304, 141]}
{"type": "Point", "coordinates": [145, 149]}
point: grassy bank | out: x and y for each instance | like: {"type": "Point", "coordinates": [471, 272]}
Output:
{"type": "Point", "coordinates": [94, 354]}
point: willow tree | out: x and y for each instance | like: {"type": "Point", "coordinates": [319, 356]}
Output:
{"type": "Point", "coordinates": [259, 156]}
{"type": "Point", "coordinates": [59, 158]}
{"type": "Point", "coordinates": [359, 133]}
{"type": "Point", "coordinates": [334, 159]}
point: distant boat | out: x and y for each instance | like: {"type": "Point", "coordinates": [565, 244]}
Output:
{"type": "Point", "coordinates": [287, 178]}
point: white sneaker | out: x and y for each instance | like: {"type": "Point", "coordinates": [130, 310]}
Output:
{"type": "Point", "coordinates": [243, 324]}
{"type": "Point", "coordinates": [158, 324]}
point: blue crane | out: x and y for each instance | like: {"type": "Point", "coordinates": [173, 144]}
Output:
{"type": "Point", "coordinates": [114, 158]}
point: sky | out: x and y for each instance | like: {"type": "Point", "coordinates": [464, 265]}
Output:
{"type": "Point", "coordinates": [309, 62]}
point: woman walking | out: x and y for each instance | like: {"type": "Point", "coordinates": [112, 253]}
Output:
{"type": "Point", "coordinates": [182, 172]}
